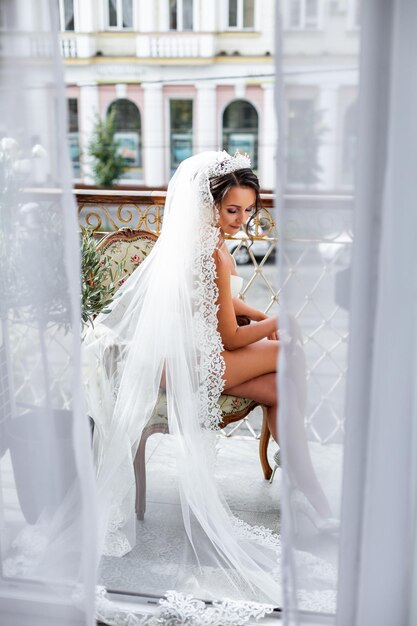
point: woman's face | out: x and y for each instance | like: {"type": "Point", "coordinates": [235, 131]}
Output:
{"type": "Point", "coordinates": [236, 208]}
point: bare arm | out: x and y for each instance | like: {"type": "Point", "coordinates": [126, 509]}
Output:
{"type": "Point", "coordinates": [241, 308]}
{"type": "Point", "coordinates": [234, 336]}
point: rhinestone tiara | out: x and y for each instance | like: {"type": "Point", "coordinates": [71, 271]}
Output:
{"type": "Point", "coordinates": [225, 164]}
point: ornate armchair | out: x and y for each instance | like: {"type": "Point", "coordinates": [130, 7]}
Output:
{"type": "Point", "coordinates": [130, 247]}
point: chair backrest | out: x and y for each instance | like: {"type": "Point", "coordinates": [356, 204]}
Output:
{"type": "Point", "coordinates": [127, 247]}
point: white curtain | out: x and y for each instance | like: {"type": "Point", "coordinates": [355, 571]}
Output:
{"type": "Point", "coordinates": [376, 562]}
{"type": "Point", "coordinates": [47, 510]}
{"type": "Point", "coordinates": [357, 317]}
{"type": "Point", "coordinates": [314, 216]}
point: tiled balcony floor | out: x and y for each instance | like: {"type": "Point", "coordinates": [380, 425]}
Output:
{"type": "Point", "coordinates": [159, 561]}
{"type": "Point", "coordinates": [161, 558]}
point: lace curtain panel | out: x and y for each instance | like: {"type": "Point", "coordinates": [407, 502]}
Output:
{"type": "Point", "coordinates": [47, 504]}
{"type": "Point", "coordinates": [352, 270]}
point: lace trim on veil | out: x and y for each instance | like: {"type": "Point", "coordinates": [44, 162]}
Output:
{"type": "Point", "coordinates": [178, 609]}
{"type": "Point", "coordinates": [208, 340]}
{"type": "Point", "coordinates": [211, 363]}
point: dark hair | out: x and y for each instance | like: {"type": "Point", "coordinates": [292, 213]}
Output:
{"type": "Point", "coordinates": [221, 185]}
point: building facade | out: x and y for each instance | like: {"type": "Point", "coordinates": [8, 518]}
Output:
{"type": "Point", "coordinates": [185, 76]}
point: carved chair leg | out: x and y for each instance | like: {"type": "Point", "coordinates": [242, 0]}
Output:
{"type": "Point", "coordinates": [139, 465]}
{"type": "Point", "coordinates": [263, 446]}
{"type": "Point", "coordinates": [140, 476]}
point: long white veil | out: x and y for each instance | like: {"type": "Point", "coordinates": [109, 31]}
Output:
{"type": "Point", "coordinates": [161, 338]}
{"type": "Point", "coordinates": [164, 321]}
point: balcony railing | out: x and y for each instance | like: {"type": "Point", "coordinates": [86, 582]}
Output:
{"type": "Point", "coordinates": [77, 45]}
{"type": "Point", "coordinates": [69, 47]}
{"type": "Point", "coordinates": [105, 211]}
{"type": "Point", "coordinates": [175, 45]}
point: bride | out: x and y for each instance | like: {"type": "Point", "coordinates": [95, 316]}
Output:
{"type": "Point", "coordinates": [173, 330]}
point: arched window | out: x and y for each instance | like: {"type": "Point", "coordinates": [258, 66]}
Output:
{"type": "Point", "coordinates": [128, 136]}
{"type": "Point", "coordinates": [240, 129]}
{"type": "Point", "coordinates": [349, 145]}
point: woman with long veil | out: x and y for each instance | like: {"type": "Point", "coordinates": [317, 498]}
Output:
{"type": "Point", "coordinates": [173, 330]}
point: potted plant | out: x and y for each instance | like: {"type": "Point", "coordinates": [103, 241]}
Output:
{"type": "Point", "coordinates": [99, 279]}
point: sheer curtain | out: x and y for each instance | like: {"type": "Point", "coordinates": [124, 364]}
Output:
{"type": "Point", "coordinates": [316, 96]}
{"type": "Point", "coordinates": [358, 318]}
{"type": "Point", "coordinates": [380, 465]}
{"type": "Point", "coordinates": [47, 511]}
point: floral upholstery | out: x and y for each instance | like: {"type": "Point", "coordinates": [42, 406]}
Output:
{"type": "Point", "coordinates": [160, 412]}
{"type": "Point", "coordinates": [230, 405]}
{"type": "Point", "coordinates": [127, 249]}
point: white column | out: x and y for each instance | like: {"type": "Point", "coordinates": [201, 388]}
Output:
{"type": "Point", "coordinates": [86, 21]}
{"type": "Point", "coordinates": [27, 16]}
{"type": "Point", "coordinates": [89, 109]}
{"type": "Point", "coordinates": [205, 135]}
{"type": "Point", "coordinates": [87, 25]}
{"type": "Point", "coordinates": [153, 136]}
{"type": "Point", "coordinates": [163, 16]}
{"type": "Point", "coordinates": [267, 139]}
{"type": "Point", "coordinates": [207, 16]}
{"type": "Point", "coordinates": [30, 20]}
{"type": "Point", "coordinates": [327, 156]}
{"type": "Point", "coordinates": [147, 16]}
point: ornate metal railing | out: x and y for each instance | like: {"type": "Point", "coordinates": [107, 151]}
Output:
{"type": "Point", "coordinates": [315, 254]}
{"type": "Point", "coordinates": [107, 211]}
{"type": "Point", "coordinates": [316, 260]}
{"type": "Point", "coordinates": [317, 248]}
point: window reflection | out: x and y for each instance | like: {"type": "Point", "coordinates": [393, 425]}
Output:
{"type": "Point", "coordinates": [181, 123]}
{"type": "Point", "coordinates": [240, 129]}
{"type": "Point", "coordinates": [128, 136]}
{"type": "Point", "coordinates": [120, 14]}
{"type": "Point", "coordinates": [181, 14]}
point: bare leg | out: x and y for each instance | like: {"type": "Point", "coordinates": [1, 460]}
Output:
{"type": "Point", "coordinates": [245, 364]}
{"type": "Point", "coordinates": [262, 389]}
{"type": "Point", "coordinates": [247, 376]}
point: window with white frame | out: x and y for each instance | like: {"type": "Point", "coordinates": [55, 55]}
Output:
{"type": "Point", "coordinates": [181, 14]}
{"type": "Point", "coordinates": [128, 136]}
{"type": "Point", "coordinates": [240, 129]}
{"type": "Point", "coordinates": [303, 15]}
{"type": "Point", "coordinates": [119, 14]}
{"type": "Point", "coordinates": [66, 15]}
{"type": "Point", "coordinates": [73, 137]}
{"type": "Point", "coordinates": [181, 131]}
{"type": "Point", "coordinates": [241, 14]}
